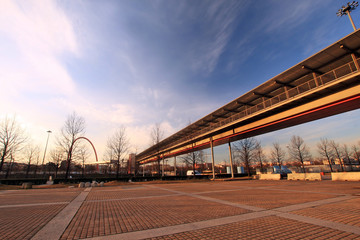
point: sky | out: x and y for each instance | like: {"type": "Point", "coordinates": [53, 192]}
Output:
{"type": "Point", "coordinates": [134, 63]}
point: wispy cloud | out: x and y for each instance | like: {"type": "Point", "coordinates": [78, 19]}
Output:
{"type": "Point", "coordinates": [38, 34]}
{"type": "Point", "coordinates": [219, 24]}
{"type": "Point", "coordinates": [285, 15]}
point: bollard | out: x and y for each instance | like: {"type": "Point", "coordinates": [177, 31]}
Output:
{"type": "Point", "coordinates": [26, 185]}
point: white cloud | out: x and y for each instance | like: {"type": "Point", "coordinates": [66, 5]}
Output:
{"type": "Point", "coordinates": [38, 33]}
{"type": "Point", "coordinates": [41, 26]}
{"type": "Point", "coordinates": [35, 37]}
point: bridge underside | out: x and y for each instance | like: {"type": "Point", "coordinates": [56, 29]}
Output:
{"type": "Point", "coordinates": [324, 85]}
{"type": "Point", "coordinates": [318, 109]}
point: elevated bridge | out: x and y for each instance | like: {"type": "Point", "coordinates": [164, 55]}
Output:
{"type": "Point", "coordinates": [322, 85]}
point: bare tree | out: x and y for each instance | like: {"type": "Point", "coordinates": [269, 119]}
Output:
{"type": "Point", "coordinates": [12, 137]}
{"type": "Point", "coordinates": [83, 155]}
{"type": "Point", "coordinates": [335, 147]}
{"type": "Point", "coordinates": [259, 155]}
{"type": "Point", "coordinates": [157, 135]}
{"type": "Point", "coordinates": [73, 128]}
{"type": "Point", "coordinates": [193, 159]}
{"type": "Point", "coordinates": [245, 150]}
{"type": "Point", "coordinates": [109, 156]}
{"type": "Point", "coordinates": [356, 153]}
{"type": "Point", "coordinates": [12, 161]}
{"type": "Point", "coordinates": [325, 150]}
{"type": "Point", "coordinates": [117, 147]}
{"type": "Point", "coordinates": [277, 154]}
{"type": "Point", "coordinates": [57, 156]}
{"type": "Point", "coordinates": [298, 150]}
{"type": "Point", "coordinates": [31, 153]}
{"type": "Point", "coordinates": [347, 155]}
{"type": "Point", "coordinates": [37, 159]}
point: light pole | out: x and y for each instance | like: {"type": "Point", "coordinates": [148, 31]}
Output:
{"type": "Point", "coordinates": [345, 10]}
{"type": "Point", "coordinates": [47, 140]}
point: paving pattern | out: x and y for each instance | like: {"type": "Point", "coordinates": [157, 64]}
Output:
{"type": "Point", "coordinates": [248, 209]}
{"type": "Point", "coordinates": [346, 212]}
{"type": "Point", "coordinates": [271, 227]}
{"type": "Point", "coordinates": [37, 196]}
{"type": "Point", "coordinates": [24, 222]}
{"type": "Point", "coordinates": [24, 212]}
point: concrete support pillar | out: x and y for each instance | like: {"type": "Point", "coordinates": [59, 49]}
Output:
{"type": "Point", "coordinates": [163, 160]}
{"type": "Point", "coordinates": [231, 161]}
{"type": "Point", "coordinates": [263, 102]}
{"type": "Point", "coordinates": [175, 165]}
{"type": "Point", "coordinates": [286, 92]}
{"type": "Point", "coordinates": [212, 158]}
{"type": "Point", "coordinates": [355, 61]}
{"type": "Point", "coordinates": [315, 79]}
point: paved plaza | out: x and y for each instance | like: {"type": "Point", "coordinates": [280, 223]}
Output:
{"type": "Point", "coordinates": [247, 209]}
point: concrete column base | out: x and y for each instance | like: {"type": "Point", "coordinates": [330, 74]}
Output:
{"type": "Point", "coordinates": [304, 176]}
{"type": "Point", "coordinates": [275, 176]}
{"type": "Point", "coordinates": [345, 176]}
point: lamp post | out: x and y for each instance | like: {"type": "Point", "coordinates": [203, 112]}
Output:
{"type": "Point", "coordinates": [345, 10]}
{"type": "Point", "coordinates": [47, 140]}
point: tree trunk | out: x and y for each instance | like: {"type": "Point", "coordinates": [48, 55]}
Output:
{"type": "Point", "coordinates": [117, 168]}
{"type": "Point", "coordinates": [68, 165]}
{"type": "Point", "coordinates": [247, 168]}
{"type": "Point", "coordinates": [330, 164]}
{"type": "Point", "coordinates": [193, 164]}
{"type": "Point", "coordinates": [27, 171]}
{"type": "Point", "coordinates": [56, 171]}
{"type": "Point", "coordinates": [3, 158]}
{"type": "Point", "coordinates": [9, 168]}
{"type": "Point", "coordinates": [159, 167]}
{"type": "Point", "coordinates": [35, 170]}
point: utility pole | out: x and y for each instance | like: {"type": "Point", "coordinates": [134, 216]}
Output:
{"type": "Point", "coordinates": [47, 141]}
{"type": "Point", "coordinates": [345, 10]}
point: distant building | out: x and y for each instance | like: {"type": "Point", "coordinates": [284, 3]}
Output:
{"type": "Point", "coordinates": [308, 162]}
{"type": "Point", "coordinates": [131, 164]}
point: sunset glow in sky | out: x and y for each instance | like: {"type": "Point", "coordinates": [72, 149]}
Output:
{"type": "Point", "coordinates": [135, 63]}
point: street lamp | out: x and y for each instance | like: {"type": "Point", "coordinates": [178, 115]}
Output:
{"type": "Point", "coordinates": [345, 10]}
{"type": "Point", "coordinates": [43, 167]}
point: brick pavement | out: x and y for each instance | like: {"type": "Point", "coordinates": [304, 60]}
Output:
{"type": "Point", "coordinates": [24, 212]}
{"type": "Point", "coordinates": [346, 212]}
{"type": "Point", "coordinates": [24, 222]}
{"type": "Point", "coordinates": [204, 210]}
{"type": "Point", "coordinates": [271, 227]}
{"type": "Point", "coordinates": [37, 196]}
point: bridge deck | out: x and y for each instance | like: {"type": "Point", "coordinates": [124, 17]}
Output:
{"type": "Point", "coordinates": [330, 71]}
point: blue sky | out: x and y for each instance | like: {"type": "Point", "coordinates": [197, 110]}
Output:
{"type": "Point", "coordinates": [136, 63]}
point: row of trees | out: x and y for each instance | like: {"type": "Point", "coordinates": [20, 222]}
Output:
{"type": "Point", "coordinates": [15, 144]}
{"type": "Point", "coordinates": [249, 152]}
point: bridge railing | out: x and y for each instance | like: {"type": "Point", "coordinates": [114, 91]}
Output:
{"type": "Point", "coordinates": [308, 85]}
{"type": "Point", "coordinates": [311, 84]}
